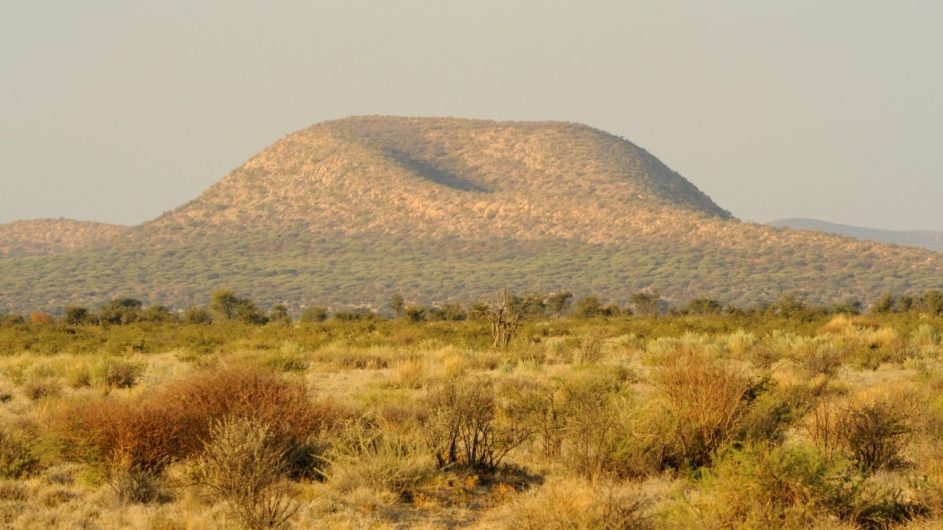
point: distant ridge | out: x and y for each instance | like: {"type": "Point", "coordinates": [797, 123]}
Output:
{"type": "Point", "coordinates": [51, 236]}
{"type": "Point", "coordinates": [443, 209]}
{"type": "Point", "coordinates": [928, 239]}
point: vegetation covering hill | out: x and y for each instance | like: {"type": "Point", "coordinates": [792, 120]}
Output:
{"type": "Point", "coordinates": [348, 211]}
{"type": "Point", "coordinates": [928, 239]}
{"type": "Point", "coordinates": [49, 236]}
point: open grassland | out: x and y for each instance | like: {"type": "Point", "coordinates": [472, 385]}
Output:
{"type": "Point", "coordinates": [716, 421]}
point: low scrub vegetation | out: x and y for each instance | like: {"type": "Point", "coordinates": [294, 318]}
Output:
{"type": "Point", "coordinates": [707, 418]}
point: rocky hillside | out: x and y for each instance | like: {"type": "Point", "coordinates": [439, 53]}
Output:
{"type": "Point", "coordinates": [348, 211]}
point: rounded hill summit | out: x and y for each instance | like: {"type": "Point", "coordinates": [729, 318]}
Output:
{"type": "Point", "coordinates": [464, 178]}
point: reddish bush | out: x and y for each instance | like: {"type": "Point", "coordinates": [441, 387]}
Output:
{"type": "Point", "coordinates": [174, 421]}
{"type": "Point", "coordinates": [40, 318]}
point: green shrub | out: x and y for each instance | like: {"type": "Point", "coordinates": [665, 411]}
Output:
{"type": "Point", "coordinates": [467, 425]}
{"type": "Point", "coordinates": [874, 435]}
{"type": "Point", "coordinates": [590, 349]}
{"type": "Point", "coordinates": [197, 315]}
{"type": "Point", "coordinates": [796, 487]}
{"type": "Point", "coordinates": [705, 402]}
{"type": "Point", "coordinates": [134, 484]}
{"type": "Point", "coordinates": [117, 373]}
{"type": "Point", "coordinates": [314, 315]}
{"type": "Point", "coordinates": [773, 410]}
{"type": "Point", "coordinates": [289, 357]}
{"type": "Point", "coordinates": [242, 464]}
{"type": "Point", "coordinates": [17, 459]}
{"type": "Point", "coordinates": [591, 412]}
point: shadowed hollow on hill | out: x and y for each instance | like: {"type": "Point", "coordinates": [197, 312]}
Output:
{"type": "Point", "coordinates": [348, 211]}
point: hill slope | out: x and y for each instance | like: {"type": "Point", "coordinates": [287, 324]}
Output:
{"type": "Point", "coordinates": [928, 239]}
{"type": "Point", "coordinates": [348, 211]}
{"type": "Point", "coordinates": [446, 177]}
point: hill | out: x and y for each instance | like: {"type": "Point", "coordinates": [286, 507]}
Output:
{"type": "Point", "coordinates": [928, 239]}
{"type": "Point", "coordinates": [348, 211]}
{"type": "Point", "coordinates": [51, 236]}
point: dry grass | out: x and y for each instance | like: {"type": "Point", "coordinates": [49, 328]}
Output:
{"type": "Point", "coordinates": [711, 430]}
{"type": "Point", "coordinates": [579, 505]}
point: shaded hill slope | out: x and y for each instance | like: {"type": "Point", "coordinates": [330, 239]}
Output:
{"type": "Point", "coordinates": [348, 211]}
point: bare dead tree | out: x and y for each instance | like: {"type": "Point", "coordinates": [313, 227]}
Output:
{"type": "Point", "coordinates": [503, 318]}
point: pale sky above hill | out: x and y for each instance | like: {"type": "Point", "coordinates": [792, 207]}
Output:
{"type": "Point", "coordinates": [116, 111]}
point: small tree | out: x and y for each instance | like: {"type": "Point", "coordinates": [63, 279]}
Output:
{"type": "Point", "coordinates": [415, 313]}
{"type": "Point", "coordinates": [398, 305]}
{"type": "Point", "coordinates": [279, 313]}
{"type": "Point", "coordinates": [470, 425]}
{"type": "Point", "coordinates": [557, 303]}
{"type": "Point", "coordinates": [588, 307]}
{"type": "Point", "coordinates": [225, 305]}
{"type": "Point", "coordinates": [886, 304]}
{"type": "Point", "coordinates": [932, 302]}
{"type": "Point", "coordinates": [874, 435]}
{"type": "Point", "coordinates": [120, 311]}
{"type": "Point", "coordinates": [197, 315]}
{"type": "Point", "coordinates": [157, 313]}
{"type": "Point", "coordinates": [703, 306]}
{"type": "Point", "coordinates": [75, 315]}
{"type": "Point", "coordinates": [314, 314]}
{"type": "Point", "coordinates": [645, 303]}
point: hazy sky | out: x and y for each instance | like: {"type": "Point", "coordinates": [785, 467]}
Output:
{"type": "Point", "coordinates": [119, 110]}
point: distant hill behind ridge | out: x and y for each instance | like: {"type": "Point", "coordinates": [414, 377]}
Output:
{"type": "Point", "coordinates": [928, 239]}
{"type": "Point", "coordinates": [440, 209]}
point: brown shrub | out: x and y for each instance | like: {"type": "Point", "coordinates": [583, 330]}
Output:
{"type": "Point", "coordinates": [41, 318]}
{"type": "Point", "coordinates": [172, 422]}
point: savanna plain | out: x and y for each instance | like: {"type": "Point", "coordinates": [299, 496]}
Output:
{"type": "Point", "coordinates": [532, 412]}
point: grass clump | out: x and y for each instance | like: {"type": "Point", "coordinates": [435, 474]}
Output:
{"type": "Point", "coordinates": [385, 463]}
{"type": "Point", "coordinates": [574, 504]}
